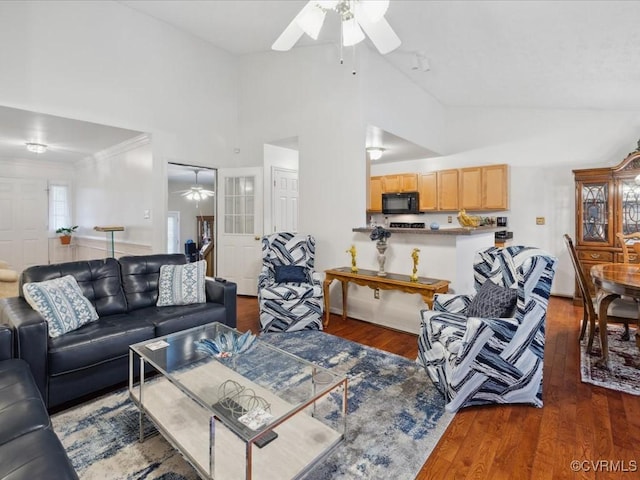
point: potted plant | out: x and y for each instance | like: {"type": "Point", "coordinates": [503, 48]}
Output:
{"type": "Point", "coordinates": [65, 234]}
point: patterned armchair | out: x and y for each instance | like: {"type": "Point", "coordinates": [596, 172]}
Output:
{"type": "Point", "coordinates": [287, 301]}
{"type": "Point", "coordinates": [476, 361]}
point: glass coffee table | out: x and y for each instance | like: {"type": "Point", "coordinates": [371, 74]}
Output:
{"type": "Point", "coordinates": [260, 414]}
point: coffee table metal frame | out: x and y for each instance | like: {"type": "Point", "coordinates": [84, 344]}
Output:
{"type": "Point", "coordinates": [158, 398]}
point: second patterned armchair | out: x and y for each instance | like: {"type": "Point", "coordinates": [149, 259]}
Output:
{"type": "Point", "coordinates": [289, 290]}
{"type": "Point", "coordinates": [496, 357]}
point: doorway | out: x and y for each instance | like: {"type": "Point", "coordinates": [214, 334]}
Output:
{"type": "Point", "coordinates": [192, 196]}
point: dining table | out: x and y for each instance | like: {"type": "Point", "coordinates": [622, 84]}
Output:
{"type": "Point", "coordinates": [614, 280]}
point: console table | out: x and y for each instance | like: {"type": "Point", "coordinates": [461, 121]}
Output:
{"type": "Point", "coordinates": [427, 287]}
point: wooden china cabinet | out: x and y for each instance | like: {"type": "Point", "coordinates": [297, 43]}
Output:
{"type": "Point", "coordinates": [607, 202]}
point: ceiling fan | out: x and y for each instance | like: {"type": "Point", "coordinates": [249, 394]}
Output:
{"type": "Point", "coordinates": [356, 16]}
{"type": "Point", "coordinates": [196, 192]}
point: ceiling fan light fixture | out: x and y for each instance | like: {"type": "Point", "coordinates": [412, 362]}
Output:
{"type": "Point", "coordinates": [375, 153]}
{"type": "Point", "coordinates": [351, 32]}
{"type": "Point", "coordinates": [36, 147]}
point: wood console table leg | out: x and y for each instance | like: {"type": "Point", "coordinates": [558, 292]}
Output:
{"type": "Point", "coordinates": [327, 301]}
{"type": "Point", "coordinates": [427, 297]}
{"type": "Point", "coordinates": [345, 288]}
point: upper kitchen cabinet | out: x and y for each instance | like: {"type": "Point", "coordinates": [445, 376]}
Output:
{"type": "Point", "coordinates": [375, 194]}
{"type": "Point", "coordinates": [405, 182]}
{"type": "Point", "coordinates": [485, 187]}
{"type": "Point", "coordinates": [428, 190]}
{"type": "Point", "coordinates": [448, 198]}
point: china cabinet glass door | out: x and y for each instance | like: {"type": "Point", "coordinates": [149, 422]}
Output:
{"type": "Point", "coordinates": [630, 208]}
{"type": "Point", "coordinates": [595, 212]}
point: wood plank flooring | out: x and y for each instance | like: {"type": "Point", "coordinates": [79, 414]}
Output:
{"type": "Point", "coordinates": [579, 422]}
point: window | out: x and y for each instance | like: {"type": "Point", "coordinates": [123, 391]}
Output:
{"type": "Point", "coordinates": [59, 207]}
{"type": "Point", "coordinates": [239, 205]}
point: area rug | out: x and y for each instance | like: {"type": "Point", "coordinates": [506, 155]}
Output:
{"type": "Point", "coordinates": [624, 362]}
{"type": "Point", "coordinates": [395, 419]}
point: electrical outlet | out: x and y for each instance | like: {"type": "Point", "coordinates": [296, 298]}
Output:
{"type": "Point", "coordinates": [376, 294]}
{"type": "Point", "coordinates": [539, 220]}
{"type": "Point", "coordinates": [449, 219]}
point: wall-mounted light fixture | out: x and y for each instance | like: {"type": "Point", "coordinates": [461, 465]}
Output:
{"type": "Point", "coordinates": [375, 153]}
{"type": "Point", "coordinates": [36, 147]}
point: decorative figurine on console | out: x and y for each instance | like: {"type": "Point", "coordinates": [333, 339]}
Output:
{"type": "Point", "coordinates": [414, 255]}
{"type": "Point", "coordinates": [352, 251]}
{"type": "Point", "coordinates": [380, 235]}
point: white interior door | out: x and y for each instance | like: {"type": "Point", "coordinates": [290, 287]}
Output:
{"type": "Point", "coordinates": [23, 222]}
{"type": "Point", "coordinates": [285, 200]}
{"type": "Point", "coordinates": [240, 223]}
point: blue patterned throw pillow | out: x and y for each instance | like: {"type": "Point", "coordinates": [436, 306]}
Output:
{"type": "Point", "coordinates": [493, 301]}
{"type": "Point", "coordinates": [61, 302]}
{"type": "Point", "coordinates": [290, 274]}
{"type": "Point", "coordinates": [182, 284]}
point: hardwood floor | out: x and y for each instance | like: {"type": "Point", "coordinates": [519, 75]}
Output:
{"type": "Point", "coordinates": [596, 427]}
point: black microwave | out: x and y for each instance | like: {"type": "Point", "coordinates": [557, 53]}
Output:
{"type": "Point", "coordinates": [401, 202]}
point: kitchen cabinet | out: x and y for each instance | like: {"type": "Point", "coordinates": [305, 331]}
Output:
{"type": "Point", "coordinates": [448, 198]}
{"type": "Point", "coordinates": [404, 182]}
{"type": "Point", "coordinates": [428, 191]}
{"type": "Point", "coordinates": [485, 187]}
{"type": "Point", "coordinates": [607, 202]}
{"type": "Point", "coordinates": [375, 194]}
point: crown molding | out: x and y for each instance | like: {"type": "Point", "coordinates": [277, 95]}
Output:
{"type": "Point", "coordinates": [127, 145]}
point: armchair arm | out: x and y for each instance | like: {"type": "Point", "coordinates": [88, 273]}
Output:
{"type": "Point", "coordinates": [221, 291]}
{"type": "Point", "coordinates": [31, 337]}
{"type": "Point", "coordinates": [449, 302]}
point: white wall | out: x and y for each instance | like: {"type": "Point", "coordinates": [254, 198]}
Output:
{"type": "Point", "coordinates": [106, 63]}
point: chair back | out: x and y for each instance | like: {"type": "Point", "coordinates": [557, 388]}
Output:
{"type": "Point", "coordinates": [622, 238]}
{"type": "Point", "coordinates": [285, 248]}
{"type": "Point", "coordinates": [581, 278]}
{"type": "Point", "coordinates": [528, 269]}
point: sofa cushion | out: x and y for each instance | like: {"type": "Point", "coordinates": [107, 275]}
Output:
{"type": "Point", "coordinates": [173, 319]}
{"type": "Point", "coordinates": [37, 454]}
{"type": "Point", "coordinates": [493, 301]}
{"type": "Point", "coordinates": [99, 281]}
{"type": "Point", "coordinates": [21, 406]}
{"type": "Point", "coordinates": [97, 342]}
{"type": "Point", "coordinates": [140, 277]}
{"type": "Point", "coordinates": [61, 303]}
{"type": "Point", "coordinates": [182, 284]}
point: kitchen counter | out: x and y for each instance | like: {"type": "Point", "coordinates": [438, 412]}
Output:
{"type": "Point", "coordinates": [441, 231]}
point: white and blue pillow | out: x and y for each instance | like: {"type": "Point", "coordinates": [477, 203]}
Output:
{"type": "Point", "coordinates": [182, 284]}
{"type": "Point", "coordinates": [61, 303]}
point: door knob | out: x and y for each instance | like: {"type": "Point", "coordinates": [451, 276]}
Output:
{"type": "Point", "coordinates": [256, 237]}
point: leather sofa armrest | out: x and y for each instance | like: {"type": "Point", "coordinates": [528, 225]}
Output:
{"type": "Point", "coordinates": [31, 338]}
{"type": "Point", "coordinates": [6, 342]}
{"type": "Point", "coordinates": [221, 291]}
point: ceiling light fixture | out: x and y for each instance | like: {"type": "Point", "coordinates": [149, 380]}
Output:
{"type": "Point", "coordinates": [356, 16]}
{"type": "Point", "coordinates": [36, 147]}
{"type": "Point", "coordinates": [375, 153]}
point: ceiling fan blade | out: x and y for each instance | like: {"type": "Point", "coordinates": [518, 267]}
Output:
{"type": "Point", "coordinates": [380, 33]}
{"type": "Point", "coordinates": [292, 33]}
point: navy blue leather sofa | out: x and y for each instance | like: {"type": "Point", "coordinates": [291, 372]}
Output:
{"type": "Point", "coordinates": [29, 449]}
{"type": "Point", "coordinates": [124, 292]}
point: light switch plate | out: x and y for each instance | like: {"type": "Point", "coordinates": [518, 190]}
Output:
{"type": "Point", "coordinates": [539, 220]}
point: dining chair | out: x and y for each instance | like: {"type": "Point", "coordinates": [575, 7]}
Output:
{"type": "Point", "coordinates": [621, 310]}
{"type": "Point", "coordinates": [635, 246]}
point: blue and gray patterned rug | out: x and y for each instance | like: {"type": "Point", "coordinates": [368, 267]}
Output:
{"type": "Point", "coordinates": [395, 419]}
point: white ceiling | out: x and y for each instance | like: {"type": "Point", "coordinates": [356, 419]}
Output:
{"type": "Point", "coordinates": [537, 54]}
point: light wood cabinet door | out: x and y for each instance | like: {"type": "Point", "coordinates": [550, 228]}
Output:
{"type": "Point", "coordinates": [428, 191]}
{"type": "Point", "coordinates": [375, 194]}
{"type": "Point", "coordinates": [471, 188]}
{"type": "Point", "coordinates": [495, 187]}
{"type": "Point", "coordinates": [448, 189]}
{"type": "Point", "coordinates": [404, 182]}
